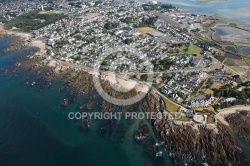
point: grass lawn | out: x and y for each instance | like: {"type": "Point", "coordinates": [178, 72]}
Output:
{"type": "Point", "coordinates": [209, 108]}
{"type": "Point", "coordinates": [145, 29]}
{"type": "Point", "coordinates": [184, 118]}
{"type": "Point", "coordinates": [170, 106]}
{"type": "Point", "coordinates": [210, 119]}
{"type": "Point", "coordinates": [191, 49]}
{"type": "Point", "coordinates": [208, 91]}
{"type": "Point", "coordinates": [216, 85]}
{"type": "Point", "coordinates": [203, 112]}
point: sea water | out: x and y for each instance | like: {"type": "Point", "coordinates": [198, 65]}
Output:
{"type": "Point", "coordinates": [36, 131]}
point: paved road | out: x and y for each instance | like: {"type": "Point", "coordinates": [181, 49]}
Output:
{"type": "Point", "coordinates": [170, 71]}
{"type": "Point", "coordinates": [168, 20]}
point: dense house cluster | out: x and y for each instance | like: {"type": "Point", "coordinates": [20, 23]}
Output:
{"type": "Point", "coordinates": [201, 102]}
{"type": "Point", "coordinates": [218, 76]}
{"type": "Point", "coordinates": [186, 83]}
{"type": "Point", "coordinates": [171, 93]}
{"type": "Point", "coordinates": [106, 35]}
{"type": "Point", "coordinates": [180, 61]}
{"type": "Point", "coordinates": [94, 27]}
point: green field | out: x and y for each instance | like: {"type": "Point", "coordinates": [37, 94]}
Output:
{"type": "Point", "coordinates": [185, 119]}
{"type": "Point", "coordinates": [170, 105]}
{"type": "Point", "coordinates": [210, 119]}
{"type": "Point", "coordinates": [191, 49]}
{"type": "Point", "coordinates": [34, 20]}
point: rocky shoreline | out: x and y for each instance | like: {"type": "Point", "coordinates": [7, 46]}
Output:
{"type": "Point", "coordinates": [77, 81]}
{"type": "Point", "coordinates": [191, 143]}
{"type": "Point", "coordinates": [240, 123]}
{"type": "Point", "coordinates": [16, 44]}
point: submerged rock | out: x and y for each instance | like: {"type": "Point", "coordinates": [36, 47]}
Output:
{"type": "Point", "coordinates": [142, 133]}
{"type": "Point", "coordinates": [65, 103]}
{"type": "Point", "coordinates": [16, 44]}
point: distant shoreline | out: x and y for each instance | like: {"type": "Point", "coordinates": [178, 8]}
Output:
{"type": "Point", "coordinates": [193, 7]}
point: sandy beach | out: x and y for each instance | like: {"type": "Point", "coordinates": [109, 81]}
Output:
{"type": "Point", "coordinates": [24, 36]}
{"type": "Point", "coordinates": [15, 33]}
{"type": "Point", "coordinates": [40, 45]}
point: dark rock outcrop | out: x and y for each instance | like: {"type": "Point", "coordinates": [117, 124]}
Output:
{"type": "Point", "coordinates": [142, 132]}
{"type": "Point", "coordinates": [240, 123]}
{"type": "Point", "coordinates": [192, 143]}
